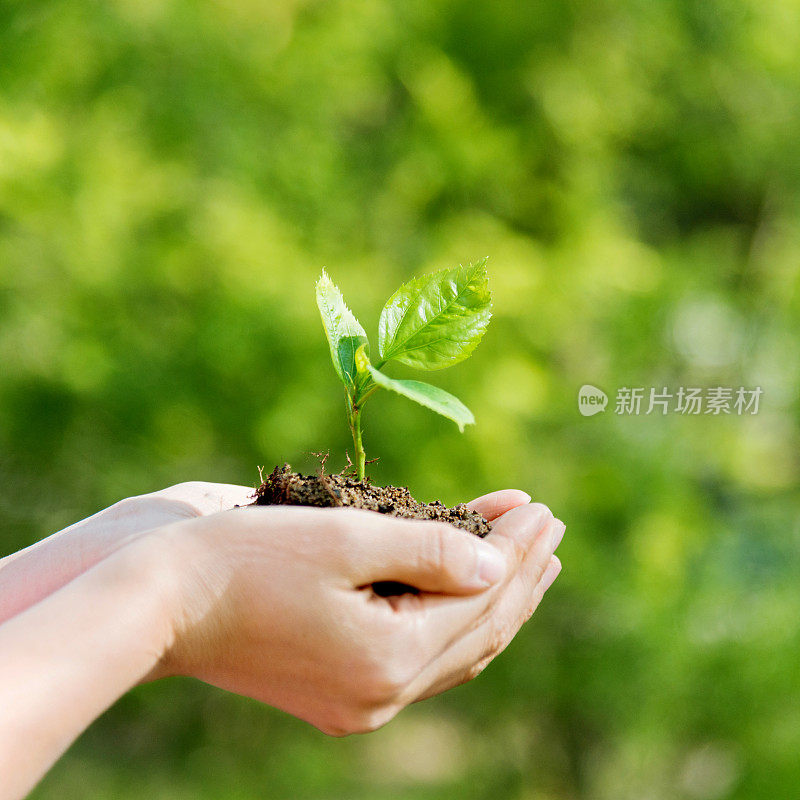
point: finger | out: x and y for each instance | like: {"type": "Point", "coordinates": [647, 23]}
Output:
{"type": "Point", "coordinates": [521, 529]}
{"type": "Point", "coordinates": [448, 619]}
{"type": "Point", "coordinates": [516, 531]}
{"type": "Point", "coordinates": [496, 504]}
{"type": "Point", "coordinates": [550, 574]}
{"type": "Point", "coordinates": [433, 557]}
{"type": "Point", "coordinates": [470, 655]}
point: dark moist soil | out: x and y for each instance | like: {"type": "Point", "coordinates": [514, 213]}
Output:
{"type": "Point", "coordinates": [285, 487]}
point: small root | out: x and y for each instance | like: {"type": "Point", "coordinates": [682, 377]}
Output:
{"type": "Point", "coordinates": [323, 457]}
{"type": "Point", "coordinates": [350, 465]}
{"type": "Point", "coordinates": [367, 478]}
{"type": "Point", "coordinates": [323, 478]}
{"type": "Point", "coordinates": [326, 485]}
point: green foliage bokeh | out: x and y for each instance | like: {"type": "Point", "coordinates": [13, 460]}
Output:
{"type": "Point", "coordinates": [173, 176]}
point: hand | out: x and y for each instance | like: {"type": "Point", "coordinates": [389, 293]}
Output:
{"type": "Point", "coordinates": [39, 570]}
{"type": "Point", "coordinates": [276, 603]}
{"type": "Point", "coordinates": [272, 602]}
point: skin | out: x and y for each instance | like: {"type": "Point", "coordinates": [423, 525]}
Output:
{"type": "Point", "coordinates": [270, 602]}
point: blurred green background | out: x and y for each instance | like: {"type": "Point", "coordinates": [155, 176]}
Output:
{"type": "Point", "coordinates": [173, 176]}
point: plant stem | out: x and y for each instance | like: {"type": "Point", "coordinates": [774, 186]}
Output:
{"type": "Point", "coordinates": [354, 407]}
{"type": "Point", "coordinates": [360, 454]}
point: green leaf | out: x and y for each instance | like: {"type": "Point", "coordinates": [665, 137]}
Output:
{"type": "Point", "coordinates": [344, 332]}
{"type": "Point", "coordinates": [436, 320]}
{"type": "Point", "coordinates": [425, 394]}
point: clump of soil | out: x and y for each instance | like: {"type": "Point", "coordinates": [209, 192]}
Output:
{"type": "Point", "coordinates": [285, 487]}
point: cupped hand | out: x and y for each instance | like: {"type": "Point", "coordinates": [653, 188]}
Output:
{"type": "Point", "coordinates": [276, 603]}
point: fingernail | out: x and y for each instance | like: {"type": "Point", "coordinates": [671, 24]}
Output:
{"type": "Point", "coordinates": [556, 533]}
{"type": "Point", "coordinates": [491, 565]}
{"type": "Point", "coordinates": [547, 581]}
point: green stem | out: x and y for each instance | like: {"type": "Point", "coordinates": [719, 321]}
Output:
{"type": "Point", "coordinates": [360, 454]}
{"type": "Point", "coordinates": [354, 407]}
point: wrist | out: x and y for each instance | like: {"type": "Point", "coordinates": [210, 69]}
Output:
{"type": "Point", "coordinates": [154, 563]}
{"type": "Point", "coordinates": [191, 580]}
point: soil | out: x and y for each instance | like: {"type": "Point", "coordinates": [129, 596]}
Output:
{"type": "Point", "coordinates": [285, 487]}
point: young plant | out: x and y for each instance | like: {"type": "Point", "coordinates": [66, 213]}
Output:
{"type": "Point", "coordinates": [431, 322]}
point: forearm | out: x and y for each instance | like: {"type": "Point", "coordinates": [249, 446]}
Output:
{"type": "Point", "coordinates": [28, 576]}
{"type": "Point", "coordinates": [32, 574]}
{"type": "Point", "coordinates": [66, 659]}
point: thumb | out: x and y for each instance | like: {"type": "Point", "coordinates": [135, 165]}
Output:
{"type": "Point", "coordinates": [429, 556]}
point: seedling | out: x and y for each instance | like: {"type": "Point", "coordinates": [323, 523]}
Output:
{"type": "Point", "coordinates": [431, 322]}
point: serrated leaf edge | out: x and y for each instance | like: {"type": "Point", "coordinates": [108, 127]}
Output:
{"type": "Point", "coordinates": [324, 282]}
